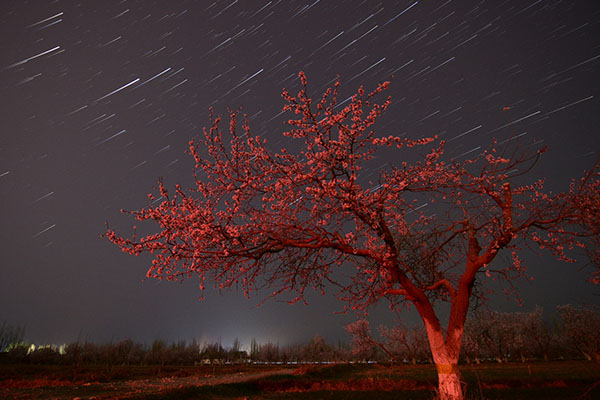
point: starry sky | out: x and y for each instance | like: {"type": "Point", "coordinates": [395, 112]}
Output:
{"type": "Point", "coordinates": [99, 100]}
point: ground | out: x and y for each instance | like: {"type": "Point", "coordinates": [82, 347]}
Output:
{"type": "Point", "coordinates": [535, 380]}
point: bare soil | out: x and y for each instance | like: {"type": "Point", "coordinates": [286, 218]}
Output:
{"type": "Point", "coordinates": [53, 385]}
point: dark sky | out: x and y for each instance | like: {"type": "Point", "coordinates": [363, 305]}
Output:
{"type": "Point", "coordinates": [99, 100]}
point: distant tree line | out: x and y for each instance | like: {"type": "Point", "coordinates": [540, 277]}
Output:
{"type": "Point", "coordinates": [159, 352]}
{"type": "Point", "coordinates": [573, 332]}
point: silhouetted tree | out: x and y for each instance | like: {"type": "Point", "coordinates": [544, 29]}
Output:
{"type": "Point", "coordinates": [10, 336]}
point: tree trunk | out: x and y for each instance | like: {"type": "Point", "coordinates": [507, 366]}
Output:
{"type": "Point", "coordinates": [446, 351]}
{"type": "Point", "coordinates": [449, 382]}
{"type": "Point", "coordinates": [445, 356]}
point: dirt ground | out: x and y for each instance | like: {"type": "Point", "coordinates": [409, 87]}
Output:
{"type": "Point", "coordinates": [537, 380]}
{"type": "Point", "coordinates": [28, 389]}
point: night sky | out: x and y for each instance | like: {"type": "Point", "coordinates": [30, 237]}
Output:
{"type": "Point", "coordinates": [99, 100]}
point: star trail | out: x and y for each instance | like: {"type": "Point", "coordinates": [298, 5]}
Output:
{"type": "Point", "coordinates": [100, 101]}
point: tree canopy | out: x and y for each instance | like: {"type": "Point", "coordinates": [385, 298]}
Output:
{"type": "Point", "coordinates": [421, 231]}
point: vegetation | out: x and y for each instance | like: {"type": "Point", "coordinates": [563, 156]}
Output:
{"type": "Point", "coordinates": [536, 380]}
{"type": "Point", "coordinates": [508, 381]}
{"type": "Point", "coordinates": [159, 352]}
{"type": "Point", "coordinates": [10, 336]}
{"type": "Point", "coordinates": [311, 216]}
{"type": "Point", "coordinates": [572, 333]}
{"type": "Point", "coordinates": [505, 356]}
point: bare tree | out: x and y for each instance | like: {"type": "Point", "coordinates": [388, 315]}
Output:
{"type": "Point", "coordinates": [580, 330]}
{"type": "Point", "coordinates": [364, 346]}
{"type": "Point", "coordinates": [408, 343]}
{"type": "Point", "coordinates": [539, 337]}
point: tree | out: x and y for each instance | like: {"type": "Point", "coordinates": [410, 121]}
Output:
{"type": "Point", "coordinates": [538, 335]}
{"type": "Point", "coordinates": [580, 330]}
{"type": "Point", "coordinates": [236, 354]}
{"type": "Point", "coordinates": [408, 343]}
{"type": "Point", "coordinates": [293, 219]}
{"type": "Point", "coordinates": [268, 352]}
{"type": "Point", "coordinates": [363, 345]}
{"type": "Point", "coordinates": [398, 342]}
{"type": "Point", "coordinates": [317, 350]}
{"type": "Point", "coordinates": [10, 336]}
{"type": "Point", "coordinates": [254, 349]}
{"type": "Point", "coordinates": [157, 353]}
{"type": "Point", "coordinates": [500, 336]}
{"type": "Point", "coordinates": [494, 335]}
{"type": "Point", "coordinates": [588, 201]}
{"type": "Point", "coordinates": [214, 352]}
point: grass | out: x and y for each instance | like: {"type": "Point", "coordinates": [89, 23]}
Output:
{"type": "Point", "coordinates": [536, 380]}
{"type": "Point", "coordinates": [549, 380]}
{"type": "Point", "coordinates": [99, 373]}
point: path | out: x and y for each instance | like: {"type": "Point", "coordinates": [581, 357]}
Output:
{"type": "Point", "coordinates": [130, 388]}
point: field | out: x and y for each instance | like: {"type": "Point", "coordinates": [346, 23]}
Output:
{"type": "Point", "coordinates": [536, 380]}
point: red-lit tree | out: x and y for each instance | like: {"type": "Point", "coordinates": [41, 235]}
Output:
{"type": "Point", "coordinates": [588, 201]}
{"type": "Point", "coordinates": [309, 218]}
